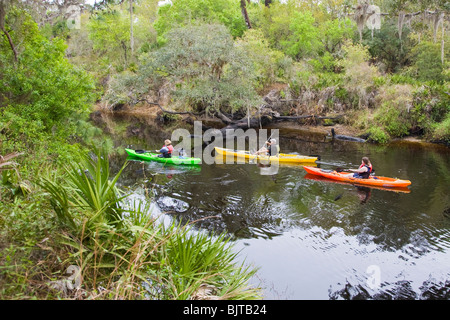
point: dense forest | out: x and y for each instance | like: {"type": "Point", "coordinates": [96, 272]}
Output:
{"type": "Point", "coordinates": [381, 67]}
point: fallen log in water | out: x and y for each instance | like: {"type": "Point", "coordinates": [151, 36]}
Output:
{"type": "Point", "coordinates": [345, 138]}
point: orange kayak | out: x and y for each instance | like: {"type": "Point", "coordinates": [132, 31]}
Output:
{"type": "Point", "coordinates": [310, 176]}
{"type": "Point", "coordinates": [377, 181]}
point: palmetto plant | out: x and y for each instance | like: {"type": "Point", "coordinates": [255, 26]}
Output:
{"type": "Point", "coordinates": [121, 248]}
{"type": "Point", "coordinates": [86, 195]}
{"type": "Point", "coordinates": [197, 260]}
{"type": "Point", "coordinates": [10, 176]}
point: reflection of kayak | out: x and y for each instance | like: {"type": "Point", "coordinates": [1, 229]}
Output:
{"type": "Point", "coordinates": [282, 157]}
{"type": "Point", "coordinates": [376, 181]}
{"type": "Point", "coordinates": [311, 176]}
{"type": "Point", "coordinates": [147, 156]}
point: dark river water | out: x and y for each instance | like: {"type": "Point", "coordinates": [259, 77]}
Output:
{"type": "Point", "coordinates": [309, 238]}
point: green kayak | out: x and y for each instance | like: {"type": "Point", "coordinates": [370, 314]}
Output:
{"type": "Point", "coordinates": [148, 156]}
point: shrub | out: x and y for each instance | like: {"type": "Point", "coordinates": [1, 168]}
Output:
{"type": "Point", "coordinates": [395, 113]}
{"type": "Point", "coordinates": [377, 134]}
{"type": "Point", "coordinates": [441, 131]}
{"type": "Point", "coordinates": [427, 64]}
{"type": "Point", "coordinates": [359, 74]}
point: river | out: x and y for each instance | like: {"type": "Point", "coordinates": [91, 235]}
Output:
{"type": "Point", "coordinates": [312, 239]}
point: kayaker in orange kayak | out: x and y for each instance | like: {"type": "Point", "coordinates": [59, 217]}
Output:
{"type": "Point", "coordinates": [364, 170]}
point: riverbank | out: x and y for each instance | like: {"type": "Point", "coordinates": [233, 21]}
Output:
{"type": "Point", "coordinates": [152, 113]}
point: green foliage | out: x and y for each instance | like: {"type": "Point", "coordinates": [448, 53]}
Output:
{"type": "Point", "coordinates": [110, 34]}
{"type": "Point", "coordinates": [395, 113]}
{"type": "Point", "coordinates": [184, 13]}
{"type": "Point", "coordinates": [303, 37]}
{"type": "Point", "coordinates": [386, 46]}
{"type": "Point", "coordinates": [42, 87]}
{"type": "Point", "coordinates": [195, 259]}
{"type": "Point", "coordinates": [334, 32]}
{"type": "Point", "coordinates": [441, 131]}
{"type": "Point", "coordinates": [269, 65]}
{"type": "Point", "coordinates": [359, 74]}
{"type": "Point", "coordinates": [435, 99]}
{"type": "Point", "coordinates": [89, 186]}
{"type": "Point", "coordinates": [325, 63]}
{"type": "Point", "coordinates": [427, 64]}
{"type": "Point", "coordinates": [393, 121]}
{"type": "Point", "coordinates": [378, 135]}
{"type": "Point", "coordinates": [203, 65]}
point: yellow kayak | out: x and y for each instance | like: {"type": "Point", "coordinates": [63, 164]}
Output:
{"type": "Point", "coordinates": [282, 157]}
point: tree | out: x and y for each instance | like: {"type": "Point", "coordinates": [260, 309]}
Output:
{"type": "Point", "coordinates": [42, 89]}
{"type": "Point", "coordinates": [359, 74]}
{"type": "Point", "coordinates": [110, 34]}
{"type": "Point", "coordinates": [269, 65]}
{"type": "Point", "coordinates": [386, 47]}
{"type": "Point", "coordinates": [3, 29]}
{"type": "Point", "coordinates": [245, 14]}
{"type": "Point", "coordinates": [195, 12]}
{"type": "Point", "coordinates": [303, 39]}
{"type": "Point", "coordinates": [202, 65]}
{"type": "Point", "coordinates": [334, 32]}
{"type": "Point", "coordinates": [427, 64]}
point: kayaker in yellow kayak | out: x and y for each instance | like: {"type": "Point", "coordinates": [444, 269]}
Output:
{"type": "Point", "coordinates": [272, 148]}
{"type": "Point", "coordinates": [364, 170]}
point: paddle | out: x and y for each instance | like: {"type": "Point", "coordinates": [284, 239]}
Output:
{"type": "Point", "coordinates": [140, 151]}
{"type": "Point", "coordinates": [268, 139]}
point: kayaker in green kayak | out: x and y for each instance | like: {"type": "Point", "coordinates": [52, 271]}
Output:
{"type": "Point", "coordinates": [166, 150]}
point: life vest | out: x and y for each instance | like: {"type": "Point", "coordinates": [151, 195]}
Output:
{"type": "Point", "coordinates": [275, 151]}
{"type": "Point", "coordinates": [167, 154]}
{"type": "Point", "coordinates": [365, 175]}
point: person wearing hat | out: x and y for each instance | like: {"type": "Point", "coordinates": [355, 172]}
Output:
{"type": "Point", "coordinates": [270, 148]}
{"type": "Point", "coordinates": [166, 150]}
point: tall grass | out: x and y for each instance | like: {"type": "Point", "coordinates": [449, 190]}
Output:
{"type": "Point", "coordinates": [125, 253]}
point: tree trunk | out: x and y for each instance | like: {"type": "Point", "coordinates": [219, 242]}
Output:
{"type": "Point", "coordinates": [245, 14]}
{"type": "Point", "coordinates": [442, 41]}
{"type": "Point", "coordinates": [131, 27]}
{"type": "Point", "coordinates": [2, 27]}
